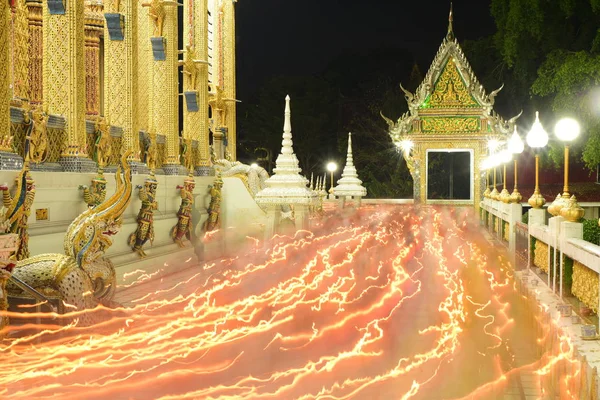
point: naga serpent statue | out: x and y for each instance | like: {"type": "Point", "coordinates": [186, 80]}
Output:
{"type": "Point", "coordinates": [82, 277]}
{"type": "Point", "coordinates": [253, 177]}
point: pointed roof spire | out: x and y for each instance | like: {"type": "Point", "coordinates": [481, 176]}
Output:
{"type": "Point", "coordinates": [450, 34]}
{"type": "Point", "coordinates": [349, 184]}
{"type": "Point", "coordinates": [286, 185]}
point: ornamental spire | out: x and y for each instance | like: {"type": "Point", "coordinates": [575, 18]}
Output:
{"type": "Point", "coordinates": [450, 34]}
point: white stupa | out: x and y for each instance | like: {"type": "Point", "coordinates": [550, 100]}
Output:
{"type": "Point", "coordinates": [286, 186]}
{"type": "Point", "coordinates": [349, 186]}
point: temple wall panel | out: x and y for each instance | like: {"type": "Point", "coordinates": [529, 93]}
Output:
{"type": "Point", "coordinates": [5, 93]}
{"type": "Point", "coordinates": [165, 93]}
{"type": "Point", "coordinates": [121, 80]}
{"type": "Point", "coordinates": [36, 51]}
{"type": "Point", "coordinates": [229, 74]}
{"type": "Point", "coordinates": [64, 82]}
{"type": "Point", "coordinates": [144, 86]}
{"type": "Point", "coordinates": [195, 34]}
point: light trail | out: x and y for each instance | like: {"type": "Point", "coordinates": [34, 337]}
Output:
{"type": "Point", "coordinates": [388, 302]}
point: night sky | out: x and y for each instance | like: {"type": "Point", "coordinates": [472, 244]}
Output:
{"type": "Point", "coordinates": [281, 37]}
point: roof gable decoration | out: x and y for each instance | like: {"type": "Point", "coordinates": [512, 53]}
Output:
{"type": "Point", "coordinates": [450, 90]}
{"type": "Point", "coordinates": [452, 79]}
{"type": "Point", "coordinates": [450, 84]}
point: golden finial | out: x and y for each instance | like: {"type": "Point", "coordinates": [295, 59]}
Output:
{"type": "Point", "coordinates": [450, 35]}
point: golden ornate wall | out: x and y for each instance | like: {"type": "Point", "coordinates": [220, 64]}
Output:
{"type": "Point", "coordinates": [36, 51]}
{"type": "Point", "coordinates": [121, 79]}
{"type": "Point", "coordinates": [165, 92]}
{"type": "Point", "coordinates": [64, 82]}
{"type": "Point", "coordinates": [5, 94]}
{"type": "Point", "coordinates": [195, 34]}
{"type": "Point", "coordinates": [145, 67]}
{"type": "Point", "coordinates": [94, 24]}
{"type": "Point", "coordinates": [229, 84]}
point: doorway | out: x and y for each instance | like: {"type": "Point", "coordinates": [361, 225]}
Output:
{"type": "Point", "coordinates": [449, 175]}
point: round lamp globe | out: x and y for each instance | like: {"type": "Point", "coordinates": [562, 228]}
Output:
{"type": "Point", "coordinates": [567, 129]}
{"type": "Point", "coordinates": [537, 136]}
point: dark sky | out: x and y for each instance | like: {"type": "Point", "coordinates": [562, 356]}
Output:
{"type": "Point", "coordinates": [278, 37]}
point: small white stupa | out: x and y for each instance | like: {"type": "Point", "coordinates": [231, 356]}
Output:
{"type": "Point", "coordinates": [349, 186]}
{"type": "Point", "coordinates": [286, 187]}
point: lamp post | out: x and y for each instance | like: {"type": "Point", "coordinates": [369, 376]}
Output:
{"type": "Point", "coordinates": [331, 167]}
{"type": "Point", "coordinates": [493, 145]}
{"type": "Point", "coordinates": [567, 130]}
{"type": "Point", "coordinates": [516, 147]}
{"type": "Point", "coordinates": [505, 157]}
{"type": "Point", "coordinates": [537, 138]}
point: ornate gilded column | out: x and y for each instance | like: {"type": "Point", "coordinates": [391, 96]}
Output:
{"type": "Point", "coordinates": [64, 82]}
{"type": "Point", "coordinates": [195, 78]}
{"type": "Point", "coordinates": [5, 92]}
{"type": "Point", "coordinates": [36, 51]}
{"type": "Point", "coordinates": [229, 79]}
{"type": "Point", "coordinates": [94, 24]}
{"type": "Point", "coordinates": [121, 77]}
{"type": "Point", "coordinates": [20, 51]}
{"type": "Point", "coordinates": [165, 92]}
{"type": "Point", "coordinates": [145, 68]}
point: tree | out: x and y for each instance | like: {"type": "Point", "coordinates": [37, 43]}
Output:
{"type": "Point", "coordinates": [551, 49]}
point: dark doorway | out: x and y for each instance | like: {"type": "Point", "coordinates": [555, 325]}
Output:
{"type": "Point", "coordinates": [449, 175]}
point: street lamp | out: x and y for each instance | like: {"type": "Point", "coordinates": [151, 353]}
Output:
{"type": "Point", "coordinates": [331, 167]}
{"type": "Point", "coordinates": [516, 147]}
{"type": "Point", "coordinates": [536, 139]}
{"type": "Point", "coordinates": [567, 130]}
{"type": "Point", "coordinates": [494, 162]}
{"type": "Point", "coordinates": [505, 157]}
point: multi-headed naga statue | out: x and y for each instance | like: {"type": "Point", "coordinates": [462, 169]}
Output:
{"type": "Point", "coordinates": [19, 208]}
{"type": "Point", "coordinates": [81, 277]}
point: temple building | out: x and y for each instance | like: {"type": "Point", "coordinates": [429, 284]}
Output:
{"type": "Point", "coordinates": [86, 62]}
{"type": "Point", "coordinates": [444, 136]}
{"type": "Point", "coordinates": [116, 112]}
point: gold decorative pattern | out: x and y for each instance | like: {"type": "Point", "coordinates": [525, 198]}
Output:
{"type": "Point", "coordinates": [120, 82]}
{"type": "Point", "coordinates": [5, 125]}
{"type": "Point", "coordinates": [116, 151]}
{"type": "Point", "coordinates": [145, 68]}
{"type": "Point", "coordinates": [450, 90]}
{"type": "Point", "coordinates": [540, 257]}
{"type": "Point", "coordinates": [21, 51]}
{"type": "Point", "coordinates": [229, 81]}
{"type": "Point", "coordinates": [585, 285]}
{"type": "Point", "coordinates": [94, 23]}
{"type": "Point", "coordinates": [450, 124]}
{"type": "Point", "coordinates": [64, 88]}
{"type": "Point", "coordinates": [165, 92]}
{"type": "Point", "coordinates": [36, 52]}
{"type": "Point", "coordinates": [195, 125]}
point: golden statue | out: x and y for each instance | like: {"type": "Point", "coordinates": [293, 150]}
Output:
{"type": "Point", "coordinates": [188, 155]}
{"type": "Point", "coordinates": [190, 69]}
{"type": "Point", "coordinates": [151, 153]}
{"type": "Point", "coordinates": [36, 139]}
{"type": "Point", "coordinates": [103, 143]}
{"type": "Point", "coordinates": [95, 195]}
{"type": "Point", "coordinates": [156, 11]}
{"type": "Point", "coordinates": [19, 208]}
